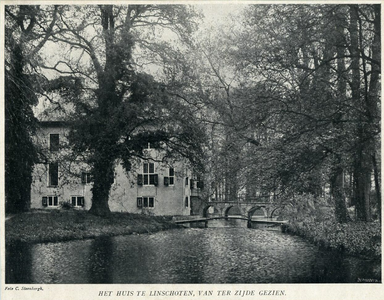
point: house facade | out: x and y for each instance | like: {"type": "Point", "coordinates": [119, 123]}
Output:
{"type": "Point", "coordinates": [151, 186]}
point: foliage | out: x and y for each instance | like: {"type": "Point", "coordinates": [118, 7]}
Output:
{"type": "Point", "coordinates": [356, 238]}
{"type": "Point", "coordinates": [116, 107]}
{"type": "Point", "coordinates": [66, 205]}
{"type": "Point", "coordinates": [27, 30]}
{"type": "Point", "coordinates": [279, 87]}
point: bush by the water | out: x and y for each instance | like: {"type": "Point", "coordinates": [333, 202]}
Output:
{"type": "Point", "coordinates": [357, 238]}
{"type": "Point", "coordinates": [314, 219]}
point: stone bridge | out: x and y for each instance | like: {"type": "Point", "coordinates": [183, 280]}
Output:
{"type": "Point", "coordinates": [246, 209]}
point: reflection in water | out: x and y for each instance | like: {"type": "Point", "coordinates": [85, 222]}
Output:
{"type": "Point", "coordinates": [18, 255]}
{"type": "Point", "coordinates": [233, 254]}
{"type": "Point", "coordinates": [100, 260]}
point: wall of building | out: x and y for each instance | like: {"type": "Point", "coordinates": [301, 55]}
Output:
{"type": "Point", "coordinates": [168, 200]}
{"type": "Point", "coordinates": [172, 199]}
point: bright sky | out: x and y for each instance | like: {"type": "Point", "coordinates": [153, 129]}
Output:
{"type": "Point", "coordinates": [218, 13]}
{"type": "Point", "coordinates": [216, 17]}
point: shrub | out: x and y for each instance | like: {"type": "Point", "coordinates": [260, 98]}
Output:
{"type": "Point", "coordinates": [357, 238]}
{"type": "Point", "coordinates": [66, 205]}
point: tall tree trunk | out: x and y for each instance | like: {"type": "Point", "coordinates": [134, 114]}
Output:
{"type": "Point", "coordinates": [362, 158]}
{"type": "Point", "coordinates": [373, 98]}
{"type": "Point", "coordinates": [20, 124]}
{"type": "Point", "coordinates": [107, 98]}
{"type": "Point", "coordinates": [337, 177]}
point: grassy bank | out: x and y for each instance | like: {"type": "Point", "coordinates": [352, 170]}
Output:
{"type": "Point", "coordinates": [355, 238]}
{"type": "Point", "coordinates": [60, 225]}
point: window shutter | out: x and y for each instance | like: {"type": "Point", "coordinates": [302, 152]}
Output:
{"type": "Point", "coordinates": [156, 180]}
{"type": "Point", "coordinates": [200, 185]}
{"type": "Point", "coordinates": [139, 202]}
{"type": "Point", "coordinates": [166, 181]}
{"type": "Point", "coordinates": [83, 178]}
{"type": "Point", "coordinates": [44, 201]}
{"type": "Point", "coordinates": [192, 186]}
{"type": "Point", "coordinates": [139, 179]}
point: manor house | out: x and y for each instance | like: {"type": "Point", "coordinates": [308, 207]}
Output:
{"type": "Point", "coordinates": [151, 187]}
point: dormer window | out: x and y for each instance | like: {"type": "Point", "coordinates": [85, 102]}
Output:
{"type": "Point", "coordinates": [54, 142]}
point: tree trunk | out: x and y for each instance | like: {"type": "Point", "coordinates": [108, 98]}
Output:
{"type": "Point", "coordinates": [337, 177]}
{"type": "Point", "coordinates": [373, 98]}
{"type": "Point", "coordinates": [337, 188]}
{"type": "Point", "coordinates": [377, 185]}
{"type": "Point", "coordinates": [362, 158]}
{"type": "Point", "coordinates": [103, 175]}
{"type": "Point", "coordinates": [20, 153]}
{"type": "Point", "coordinates": [107, 98]}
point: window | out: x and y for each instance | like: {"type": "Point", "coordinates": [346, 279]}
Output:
{"type": "Point", "coordinates": [186, 202]}
{"type": "Point", "coordinates": [170, 180]}
{"type": "Point", "coordinates": [51, 201]}
{"type": "Point", "coordinates": [186, 181]}
{"type": "Point", "coordinates": [149, 177]}
{"type": "Point", "coordinates": [86, 177]}
{"type": "Point", "coordinates": [145, 202]}
{"type": "Point", "coordinates": [77, 201]}
{"type": "Point", "coordinates": [53, 179]}
{"type": "Point", "coordinates": [171, 176]}
{"type": "Point", "coordinates": [54, 142]}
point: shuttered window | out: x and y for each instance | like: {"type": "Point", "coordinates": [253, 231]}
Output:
{"type": "Point", "coordinates": [148, 176]}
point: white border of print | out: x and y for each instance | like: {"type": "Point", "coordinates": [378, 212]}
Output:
{"type": "Point", "coordinates": [163, 291]}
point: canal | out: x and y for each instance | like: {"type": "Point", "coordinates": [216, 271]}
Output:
{"type": "Point", "coordinates": [225, 252]}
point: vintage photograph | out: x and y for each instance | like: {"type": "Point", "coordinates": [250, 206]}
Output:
{"type": "Point", "coordinates": [192, 143]}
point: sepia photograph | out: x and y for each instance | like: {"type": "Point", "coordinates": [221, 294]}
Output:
{"type": "Point", "coordinates": [200, 150]}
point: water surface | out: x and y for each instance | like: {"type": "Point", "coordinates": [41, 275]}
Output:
{"type": "Point", "coordinates": [226, 252]}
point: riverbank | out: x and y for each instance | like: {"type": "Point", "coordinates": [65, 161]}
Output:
{"type": "Point", "coordinates": [61, 225]}
{"type": "Point", "coordinates": [354, 238]}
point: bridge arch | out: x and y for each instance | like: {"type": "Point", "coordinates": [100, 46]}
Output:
{"type": "Point", "coordinates": [275, 211]}
{"type": "Point", "coordinates": [261, 210]}
{"type": "Point", "coordinates": [235, 208]}
{"type": "Point", "coordinates": [207, 210]}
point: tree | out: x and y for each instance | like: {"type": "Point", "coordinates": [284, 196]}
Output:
{"type": "Point", "coordinates": [122, 108]}
{"type": "Point", "coordinates": [305, 75]}
{"type": "Point", "coordinates": [27, 30]}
